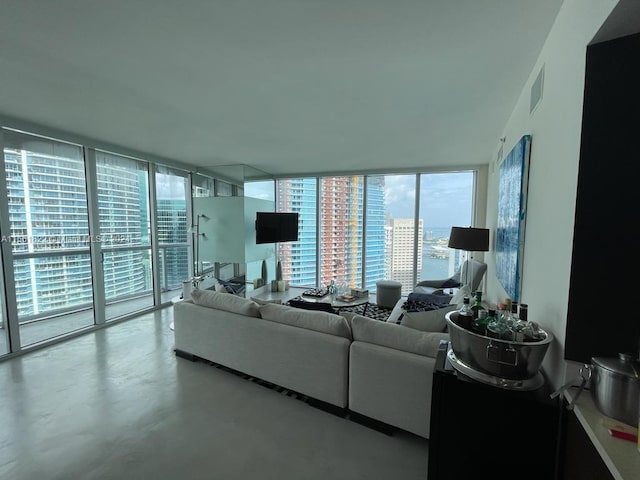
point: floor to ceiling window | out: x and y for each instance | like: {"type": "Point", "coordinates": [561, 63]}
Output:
{"type": "Point", "coordinates": [375, 232]}
{"type": "Point", "coordinates": [78, 246]}
{"type": "Point", "coordinates": [341, 216]}
{"type": "Point", "coordinates": [299, 259]}
{"type": "Point", "coordinates": [172, 194]}
{"type": "Point", "coordinates": [400, 228]}
{"type": "Point", "coordinates": [48, 218]}
{"type": "Point", "coordinates": [446, 200]}
{"type": "Point", "coordinates": [263, 190]}
{"type": "Point", "coordinates": [123, 205]}
{"type": "Point", "coordinates": [369, 228]}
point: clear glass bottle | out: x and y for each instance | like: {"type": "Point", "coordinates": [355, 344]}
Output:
{"type": "Point", "coordinates": [522, 329]}
{"type": "Point", "coordinates": [497, 326]}
{"type": "Point", "coordinates": [465, 314]}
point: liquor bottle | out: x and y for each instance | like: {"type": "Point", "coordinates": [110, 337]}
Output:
{"type": "Point", "coordinates": [522, 331]}
{"type": "Point", "coordinates": [478, 305]}
{"type": "Point", "coordinates": [480, 323]}
{"type": "Point", "coordinates": [497, 326]}
{"type": "Point", "coordinates": [465, 314]}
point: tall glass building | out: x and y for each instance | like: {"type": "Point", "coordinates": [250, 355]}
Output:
{"type": "Point", "coordinates": [48, 213]}
{"type": "Point", "coordinates": [339, 253]}
{"type": "Point", "coordinates": [172, 231]}
{"type": "Point", "coordinates": [48, 210]}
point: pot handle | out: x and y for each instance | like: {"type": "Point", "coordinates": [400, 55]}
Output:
{"type": "Point", "coordinates": [584, 377]}
{"type": "Point", "coordinates": [505, 355]}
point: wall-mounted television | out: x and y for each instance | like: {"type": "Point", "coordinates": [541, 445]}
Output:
{"type": "Point", "coordinates": [272, 227]}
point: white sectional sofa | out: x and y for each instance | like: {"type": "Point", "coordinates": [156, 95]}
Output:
{"type": "Point", "coordinates": [382, 371]}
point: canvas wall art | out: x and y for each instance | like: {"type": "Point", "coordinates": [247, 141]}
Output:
{"type": "Point", "coordinates": [512, 210]}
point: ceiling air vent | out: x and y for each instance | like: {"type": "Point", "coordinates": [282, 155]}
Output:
{"type": "Point", "coordinates": [536, 91]}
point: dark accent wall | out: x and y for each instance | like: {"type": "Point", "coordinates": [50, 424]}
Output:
{"type": "Point", "coordinates": [604, 294]}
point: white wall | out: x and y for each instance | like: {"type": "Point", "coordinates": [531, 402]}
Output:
{"type": "Point", "coordinates": [555, 127]}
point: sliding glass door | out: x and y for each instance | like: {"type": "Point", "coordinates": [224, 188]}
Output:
{"type": "Point", "coordinates": [173, 225]}
{"type": "Point", "coordinates": [125, 233]}
{"type": "Point", "coordinates": [49, 236]}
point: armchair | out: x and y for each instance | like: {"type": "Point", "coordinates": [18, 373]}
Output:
{"type": "Point", "coordinates": [454, 281]}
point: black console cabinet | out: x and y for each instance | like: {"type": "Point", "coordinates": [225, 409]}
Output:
{"type": "Point", "coordinates": [482, 431]}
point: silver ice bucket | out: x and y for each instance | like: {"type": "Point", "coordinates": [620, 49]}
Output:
{"type": "Point", "coordinates": [500, 358]}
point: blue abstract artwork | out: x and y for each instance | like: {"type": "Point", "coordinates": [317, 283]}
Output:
{"type": "Point", "coordinates": [512, 209]}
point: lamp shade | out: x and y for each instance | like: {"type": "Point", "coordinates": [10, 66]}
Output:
{"type": "Point", "coordinates": [469, 239]}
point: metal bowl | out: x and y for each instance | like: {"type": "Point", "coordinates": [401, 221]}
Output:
{"type": "Point", "coordinates": [501, 358]}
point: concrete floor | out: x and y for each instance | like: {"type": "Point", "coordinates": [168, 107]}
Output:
{"type": "Point", "coordinates": [50, 328]}
{"type": "Point", "coordinates": [118, 404]}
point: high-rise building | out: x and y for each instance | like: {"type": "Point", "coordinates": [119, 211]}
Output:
{"type": "Point", "coordinates": [298, 259]}
{"type": "Point", "coordinates": [374, 229]}
{"type": "Point", "coordinates": [48, 213]}
{"type": "Point", "coordinates": [342, 234]}
{"type": "Point", "coordinates": [401, 252]}
{"type": "Point", "coordinates": [123, 211]}
{"type": "Point", "coordinates": [172, 229]}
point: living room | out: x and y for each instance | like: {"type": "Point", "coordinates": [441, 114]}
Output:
{"type": "Point", "coordinates": [555, 126]}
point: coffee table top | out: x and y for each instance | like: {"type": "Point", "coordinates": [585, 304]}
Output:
{"type": "Point", "coordinates": [265, 293]}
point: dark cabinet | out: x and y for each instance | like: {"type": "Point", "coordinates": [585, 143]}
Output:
{"type": "Point", "coordinates": [482, 431]}
{"type": "Point", "coordinates": [606, 201]}
{"type": "Point", "coordinates": [578, 457]}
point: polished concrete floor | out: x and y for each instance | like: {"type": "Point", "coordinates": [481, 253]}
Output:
{"type": "Point", "coordinates": [34, 332]}
{"type": "Point", "coordinates": [118, 404]}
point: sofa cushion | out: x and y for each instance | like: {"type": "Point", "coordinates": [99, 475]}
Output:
{"type": "Point", "coordinates": [311, 320]}
{"type": "Point", "coordinates": [224, 301]}
{"type": "Point", "coordinates": [396, 336]}
{"type": "Point", "coordinates": [429, 320]}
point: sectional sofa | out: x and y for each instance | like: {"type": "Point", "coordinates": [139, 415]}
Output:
{"type": "Point", "coordinates": [378, 370]}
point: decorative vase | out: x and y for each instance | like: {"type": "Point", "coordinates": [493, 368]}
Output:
{"type": "Point", "coordinates": [264, 272]}
{"type": "Point", "coordinates": [278, 271]}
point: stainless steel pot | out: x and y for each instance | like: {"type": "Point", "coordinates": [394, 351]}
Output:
{"type": "Point", "coordinates": [615, 387]}
{"type": "Point", "coordinates": [500, 358]}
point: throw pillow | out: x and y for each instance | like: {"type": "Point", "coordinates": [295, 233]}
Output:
{"type": "Point", "coordinates": [397, 313]}
{"type": "Point", "coordinates": [459, 295]}
{"type": "Point", "coordinates": [224, 301]}
{"type": "Point", "coordinates": [323, 322]}
{"type": "Point", "coordinates": [396, 336]}
{"type": "Point", "coordinates": [428, 320]}
{"type": "Point", "coordinates": [218, 287]}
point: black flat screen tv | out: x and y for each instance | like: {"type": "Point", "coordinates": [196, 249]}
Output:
{"type": "Point", "coordinates": [272, 227]}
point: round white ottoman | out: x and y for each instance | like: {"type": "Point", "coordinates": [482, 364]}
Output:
{"type": "Point", "coordinates": [388, 292]}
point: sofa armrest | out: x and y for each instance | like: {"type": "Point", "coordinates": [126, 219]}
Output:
{"type": "Point", "coordinates": [391, 386]}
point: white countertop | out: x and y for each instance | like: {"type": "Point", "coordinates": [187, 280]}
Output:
{"type": "Point", "coordinates": [621, 456]}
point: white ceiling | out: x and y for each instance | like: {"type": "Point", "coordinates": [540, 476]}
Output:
{"type": "Point", "coordinates": [286, 86]}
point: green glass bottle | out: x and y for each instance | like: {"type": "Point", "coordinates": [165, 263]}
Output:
{"type": "Point", "coordinates": [478, 305]}
{"type": "Point", "coordinates": [480, 323]}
